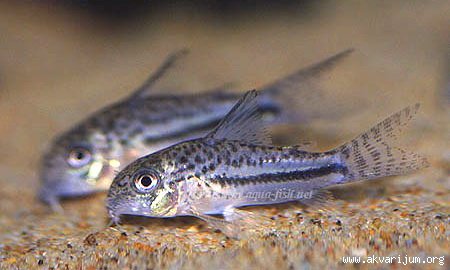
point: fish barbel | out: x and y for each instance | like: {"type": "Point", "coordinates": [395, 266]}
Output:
{"type": "Point", "coordinates": [84, 159]}
{"type": "Point", "coordinates": [235, 165]}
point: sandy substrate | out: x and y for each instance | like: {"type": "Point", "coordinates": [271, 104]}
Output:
{"type": "Point", "coordinates": [56, 67]}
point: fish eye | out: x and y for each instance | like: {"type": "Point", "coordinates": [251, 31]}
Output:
{"type": "Point", "coordinates": [146, 181]}
{"type": "Point", "coordinates": [79, 157]}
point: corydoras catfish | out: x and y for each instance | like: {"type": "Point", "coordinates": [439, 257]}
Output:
{"type": "Point", "coordinates": [84, 159]}
{"type": "Point", "coordinates": [235, 164]}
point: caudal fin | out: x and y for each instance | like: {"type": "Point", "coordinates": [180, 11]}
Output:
{"type": "Point", "coordinates": [298, 94]}
{"type": "Point", "coordinates": [371, 156]}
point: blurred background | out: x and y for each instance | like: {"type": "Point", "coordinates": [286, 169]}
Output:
{"type": "Point", "coordinates": [62, 60]}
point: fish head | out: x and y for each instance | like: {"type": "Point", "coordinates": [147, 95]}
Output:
{"type": "Point", "coordinates": [75, 164]}
{"type": "Point", "coordinates": [143, 188]}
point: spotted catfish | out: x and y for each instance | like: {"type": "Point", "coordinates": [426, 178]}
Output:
{"type": "Point", "coordinates": [235, 165]}
{"type": "Point", "coordinates": [84, 159]}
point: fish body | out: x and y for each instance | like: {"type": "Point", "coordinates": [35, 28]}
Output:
{"type": "Point", "coordinates": [235, 165]}
{"type": "Point", "coordinates": [84, 159]}
{"type": "Point", "coordinates": [229, 172]}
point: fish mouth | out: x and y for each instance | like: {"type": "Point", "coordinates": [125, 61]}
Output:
{"type": "Point", "coordinates": [63, 185]}
{"type": "Point", "coordinates": [48, 196]}
{"type": "Point", "coordinates": [116, 211]}
{"type": "Point", "coordinates": [51, 193]}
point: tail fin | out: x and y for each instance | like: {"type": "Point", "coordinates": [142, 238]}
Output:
{"type": "Point", "coordinates": [370, 156]}
{"type": "Point", "coordinates": [299, 93]}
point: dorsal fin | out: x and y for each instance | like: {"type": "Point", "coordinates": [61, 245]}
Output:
{"type": "Point", "coordinates": [299, 93]}
{"type": "Point", "coordinates": [243, 122]}
{"type": "Point", "coordinates": [162, 70]}
{"type": "Point", "coordinates": [312, 72]}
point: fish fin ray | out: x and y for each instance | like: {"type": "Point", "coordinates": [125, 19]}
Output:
{"type": "Point", "coordinates": [161, 71]}
{"type": "Point", "coordinates": [228, 228]}
{"type": "Point", "coordinates": [246, 218]}
{"type": "Point", "coordinates": [248, 222]}
{"type": "Point", "coordinates": [370, 155]}
{"type": "Point", "coordinates": [298, 94]}
{"type": "Point", "coordinates": [320, 199]}
{"type": "Point", "coordinates": [243, 122]}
